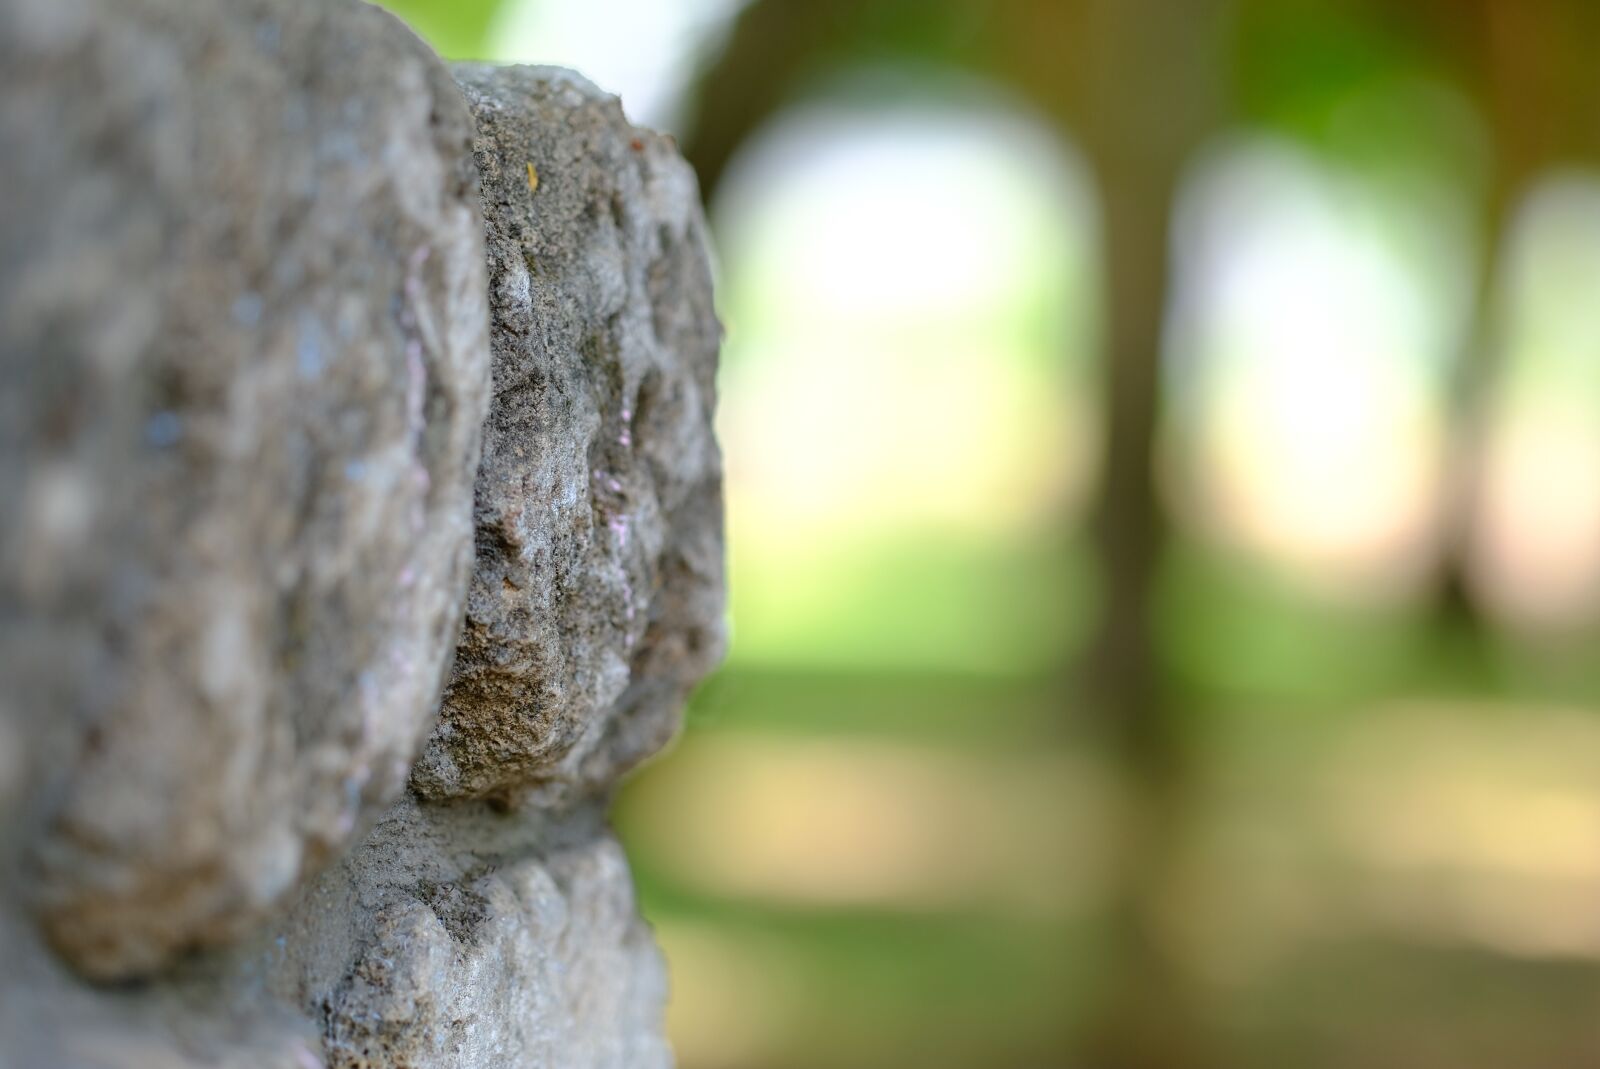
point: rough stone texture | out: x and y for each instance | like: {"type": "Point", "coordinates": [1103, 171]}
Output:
{"type": "Point", "coordinates": [244, 369]}
{"type": "Point", "coordinates": [597, 598]}
{"type": "Point", "coordinates": [451, 937]}
{"type": "Point", "coordinates": [50, 1020]}
{"type": "Point", "coordinates": [243, 374]}
{"type": "Point", "coordinates": [455, 936]}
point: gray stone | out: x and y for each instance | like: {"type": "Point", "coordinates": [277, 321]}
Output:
{"type": "Point", "coordinates": [244, 366]}
{"type": "Point", "coordinates": [597, 599]}
{"type": "Point", "coordinates": [243, 373]}
{"type": "Point", "coordinates": [458, 937]}
{"type": "Point", "coordinates": [451, 937]}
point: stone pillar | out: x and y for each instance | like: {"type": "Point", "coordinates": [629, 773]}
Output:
{"type": "Point", "coordinates": [329, 386]}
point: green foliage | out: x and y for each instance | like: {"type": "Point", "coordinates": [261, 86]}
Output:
{"type": "Point", "coordinates": [1353, 81]}
{"type": "Point", "coordinates": [1297, 60]}
{"type": "Point", "coordinates": [457, 29]}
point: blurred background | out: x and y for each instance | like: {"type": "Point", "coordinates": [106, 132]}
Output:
{"type": "Point", "coordinates": [1163, 444]}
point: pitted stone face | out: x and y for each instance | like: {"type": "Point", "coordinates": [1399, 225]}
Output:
{"type": "Point", "coordinates": [243, 374]}
{"type": "Point", "coordinates": [508, 942]}
{"type": "Point", "coordinates": [597, 600]}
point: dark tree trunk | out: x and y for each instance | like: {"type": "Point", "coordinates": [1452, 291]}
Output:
{"type": "Point", "coordinates": [1507, 44]}
{"type": "Point", "coordinates": [1153, 95]}
{"type": "Point", "coordinates": [1529, 66]}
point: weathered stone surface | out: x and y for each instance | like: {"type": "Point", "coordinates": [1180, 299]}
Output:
{"type": "Point", "coordinates": [457, 937]}
{"type": "Point", "coordinates": [49, 1019]}
{"type": "Point", "coordinates": [243, 373]}
{"type": "Point", "coordinates": [452, 937]}
{"type": "Point", "coordinates": [597, 598]}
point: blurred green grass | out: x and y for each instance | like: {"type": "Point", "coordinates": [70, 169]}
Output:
{"type": "Point", "coordinates": [1290, 901]}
